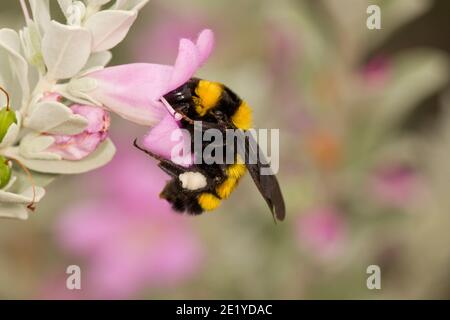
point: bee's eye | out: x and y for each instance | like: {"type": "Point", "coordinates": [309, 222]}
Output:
{"type": "Point", "coordinates": [219, 114]}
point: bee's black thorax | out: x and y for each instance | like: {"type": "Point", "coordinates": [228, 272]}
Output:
{"type": "Point", "coordinates": [219, 99]}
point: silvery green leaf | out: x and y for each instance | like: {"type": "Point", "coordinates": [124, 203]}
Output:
{"type": "Point", "coordinates": [23, 180]}
{"type": "Point", "coordinates": [34, 146]}
{"type": "Point", "coordinates": [135, 5]}
{"type": "Point", "coordinates": [349, 19]}
{"type": "Point", "coordinates": [41, 13]}
{"type": "Point", "coordinates": [416, 75]}
{"type": "Point", "coordinates": [394, 15]}
{"type": "Point", "coordinates": [104, 154]}
{"type": "Point", "coordinates": [109, 28]}
{"type": "Point", "coordinates": [13, 68]}
{"type": "Point", "coordinates": [24, 197]}
{"type": "Point", "coordinates": [97, 3]}
{"type": "Point", "coordinates": [12, 132]}
{"type": "Point", "coordinates": [75, 125]}
{"type": "Point", "coordinates": [66, 49]}
{"type": "Point", "coordinates": [31, 44]}
{"type": "Point", "coordinates": [97, 60]}
{"type": "Point", "coordinates": [77, 90]}
{"type": "Point", "coordinates": [13, 211]}
{"type": "Point", "coordinates": [54, 117]}
{"type": "Point", "coordinates": [64, 5]}
{"type": "Point", "coordinates": [13, 205]}
{"type": "Point", "coordinates": [120, 4]}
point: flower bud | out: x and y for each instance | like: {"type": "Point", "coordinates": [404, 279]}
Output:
{"type": "Point", "coordinates": [5, 172]}
{"type": "Point", "coordinates": [79, 146]}
{"type": "Point", "coordinates": [7, 118]}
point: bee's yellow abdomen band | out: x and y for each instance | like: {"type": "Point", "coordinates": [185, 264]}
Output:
{"type": "Point", "coordinates": [208, 201]}
{"type": "Point", "coordinates": [236, 170]}
{"type": "Point", "coordinates": [224, 190]}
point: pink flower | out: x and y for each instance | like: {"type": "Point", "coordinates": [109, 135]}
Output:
{"type": "Point", "coordinates": [395, 185]}
{"type": "Point", "coordinates": [163, 138]}
{"type": "Point", "coordinates": [79, 146]}
{"type": "Point", "coordinates": [128, 237]}
{"type": "Point", "coordinates": [322, 232]}
{"type": "Point", "coordinates": [134, 91]}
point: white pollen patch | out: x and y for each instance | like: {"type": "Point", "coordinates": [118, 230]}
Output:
{"type": "Point", "coordinates": [192, 180]}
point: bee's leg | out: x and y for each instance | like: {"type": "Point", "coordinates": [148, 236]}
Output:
{"type": "Point", "coordinates": [151, 154]}
{"type": "Point", "coordinates": [171, 168]}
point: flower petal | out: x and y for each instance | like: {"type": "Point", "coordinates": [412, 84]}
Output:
{"type": "Point", "coordinates": [133, 91]}
{"type": "Point", "coordinates": [41, 13]}
{"type": "Point", "coordinates": [76, 147]}
{"type": "Point", "coordinates": [35, 145]}
{"type": "Point", "coordinates": [164, 138]}
{"type": "Point", "coordinates": [12, 132]}
{"type": "Point", "coordinates": [190, 58]}
{"type": "Point", "coordinates": [109, 28]}
{"type": "Point", "coordinates": [79, 146]}
{"type": "Point", "coordinates": [14, 211]}
{"type": "Point", "coordinates": [97, 3]}
{"type": "Point", "coordinates": [64, 5]}
{"type": "Point", "coordinates": [13, 67]}
{"type": "Point", "coordinates": [55, 117]}
{"type": "Point", "coordinates": [97, 60]}
{"type": "Point", "coordinates": [95, 160]}
{"type": "Point", "coordinates": [186, 64]}
{"type": "Point", "coordinates": [13, 205]}
{"type": "Point", "coordinates": [66, 49]}
{"type": "Point", "coordinates": [25, 197]}
{"type": "Point", "coordinates": [205, 45]}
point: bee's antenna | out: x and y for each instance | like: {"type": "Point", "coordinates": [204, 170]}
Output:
{"type": "Point", "coordinates": [151, 154]}
{"type": "Point", "coordinates": [136, 145]}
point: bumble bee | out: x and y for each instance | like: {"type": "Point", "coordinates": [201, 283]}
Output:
{"type": "Point", "coordinates": [202, 187]}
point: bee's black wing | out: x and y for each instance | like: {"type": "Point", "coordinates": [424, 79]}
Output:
{"type": "Point", "coordinates": [267, 185]}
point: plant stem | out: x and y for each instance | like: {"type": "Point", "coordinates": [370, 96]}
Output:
{"type": "Point", "coordinates": [25, 11]}
{"type": "Point", "coordinates": [7, 97]}
{"type": "Point", "coordinates": [31, 205]}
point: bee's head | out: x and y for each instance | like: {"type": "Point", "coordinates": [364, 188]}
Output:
{"type": "Point", "coordinates": [179, 96]}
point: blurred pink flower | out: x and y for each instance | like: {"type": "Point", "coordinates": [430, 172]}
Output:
{"type": "Point", "coordinates": [129, 238]}
{"type": "Point", "coordinates": [395, 185]}
{"type": "Point", "coordinates": [283, 52]}
{"type": "Point", "coordinates": [322, 232]}
{"type": "Point", "coordinates": [135, 91]}
{"type": "Point", "coordinates": [376, 72]}
{"type": "Point", "coordinates": [79, 146]}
